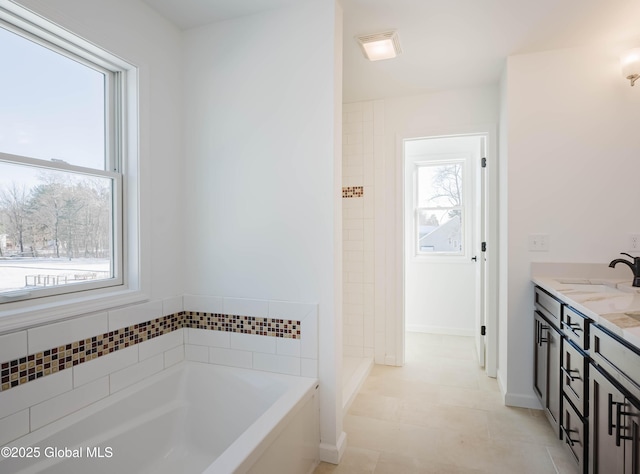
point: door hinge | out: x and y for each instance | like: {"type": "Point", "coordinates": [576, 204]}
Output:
{"type": "Point", "coordinates": [483, 330]}
{"type": "Point", "coordinates": [484, 246]}
{"type": "Point", "coordinates": [483, 162]}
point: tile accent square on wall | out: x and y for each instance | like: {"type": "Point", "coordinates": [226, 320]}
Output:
{"type": "Point", "coordinates": [352, 192]}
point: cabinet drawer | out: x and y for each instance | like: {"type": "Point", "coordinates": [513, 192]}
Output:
{"type": "Point", "coordinates": [618, 359]}
{"type": "Point", "coordinates": [574, 375]}
{"type": "Point", "coordinates": [548, 305]}
{"type": "Point", "coordinates": [574, 326]}
{"type": "Point", "coordinates": [573, 435]}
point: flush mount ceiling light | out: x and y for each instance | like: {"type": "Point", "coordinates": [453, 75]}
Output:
{"type": "Point", "coordinates": [380, 45]}
{"type": "Point", "coordinates": [630, 62]}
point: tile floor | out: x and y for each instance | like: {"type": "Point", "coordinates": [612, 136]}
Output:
{"type": "Point", "coordinates": [441, 414]}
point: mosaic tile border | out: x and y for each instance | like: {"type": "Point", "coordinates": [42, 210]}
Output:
{"type": "Point", "coordinates": [352, 192]}
{"type": "Point", "coordinates": [34, 366]}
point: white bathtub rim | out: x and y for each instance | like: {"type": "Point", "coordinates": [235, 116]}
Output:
{"type": "Point", "coordinates": [242, 454]}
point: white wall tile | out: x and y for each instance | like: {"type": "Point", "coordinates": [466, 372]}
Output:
{"type": "Point", "coordinates": [288, 347]}
{"type": "Point", "coordinates": [290, 310]}
{"type": "Point", "coordinates": [253, 343]}
{"type": "Point", "coordinates": [136, 372]}
{"type": "Point", "coordinates": [276, 363]}
{"type": "Point", "coordinates": [14, 426]}
{"type": "Point", "coordinates": [157, 345]}
{"type": "Point", "coordinates": [367, 111]}
{"type": "Point", "coordinates": [230, 357]}
{"type": "Point", "coordinates": [207, 337]}
{"type": "Point", "coordinates": [13, 346]}
{"type": "Point", "coordinates": [173, 356]}
{"type": "Point", "coordinates": [68, 402]}
{"type": "Point", "coordinates": [309, 336]}
{"type": "Point", "coordinates": [353, 350]}
{"type": "Point", "coordinates": [309, 368]}
{"type": "Point", "coordinates": [202, 304]}
{"type": "Point", "coordinates": [246, 307]}
{"type": "Point", "coordinates": [350, 128]}
{"type": "Point", "coordinates": [96, 368]}
{"type": "Point", "coordinates": [352, 107]}
{"type": "Point", "coordinates": [65, 332]}
{"type": "Point", "coordinates": [120, 318]}
{"type": "Point", "coordinates": [196, 353]}
{"type": "Point", "coordinates": [172, 305]}
{"type": "Point", "coordinates": [32, 393]}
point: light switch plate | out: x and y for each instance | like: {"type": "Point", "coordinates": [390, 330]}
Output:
{"type": "Point", "coordinates": [634, 242]}
{"type": "Point", "coordinates": [539, 242]}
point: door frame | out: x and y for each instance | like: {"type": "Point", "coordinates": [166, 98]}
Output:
{"type": "Point", "coordinates": [396, 354]}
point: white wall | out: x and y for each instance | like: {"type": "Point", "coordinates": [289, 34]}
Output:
{"type": "Point", "coordinates": [573, 167]}
{"type": "Point", "coordinates": [262, 206]}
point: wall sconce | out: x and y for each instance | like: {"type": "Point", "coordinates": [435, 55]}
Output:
{"type": "Point", "coordinates": [630, 62]}
{"type": "Point", "coordinates": [380, 45]}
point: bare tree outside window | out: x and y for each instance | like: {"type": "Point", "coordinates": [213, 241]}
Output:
{"type": "Point", "coordinates": [439, 209]}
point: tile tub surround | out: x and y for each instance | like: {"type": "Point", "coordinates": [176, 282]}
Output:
{"type": "Point", "coordinates": [352, 192]}
{"type": "Point", "coordinates": [31, 367]}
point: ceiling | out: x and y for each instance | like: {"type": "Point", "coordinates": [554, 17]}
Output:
{"type": "Point", "coordinates": [446, 44]}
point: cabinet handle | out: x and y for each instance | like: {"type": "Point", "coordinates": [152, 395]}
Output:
{"type": "Point", "coordinates": [619, 427]}
{"type": "Point", "coordinates": [610, 414]}
{"type": "Point", "coordinates": [568, 372]}
{"type": "Point", "coordinates": [573, 327]}
{"type": "Point", "coordinates": [567, 436]}
{"type": "Point", "coordinates": [543, 327]}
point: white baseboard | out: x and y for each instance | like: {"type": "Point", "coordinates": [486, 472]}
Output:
{"type": "Point", "coordinates": [439, 330]}
{"type": "Point", "coordinates": [522, 401]}
{"type": "Point", "coordinates": [517, 399]}
{"type": "Point", "coordinates": [333, 454]}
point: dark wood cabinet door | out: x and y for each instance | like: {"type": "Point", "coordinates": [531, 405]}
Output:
{"type": "Point", "coordinates": [540, 359]}
{"type": "Point", "coordinates": [554, 394]}
{"type": "Point", "coordinates": [632, 443]}
{"type": "Point", "coordinates": [606, 455]}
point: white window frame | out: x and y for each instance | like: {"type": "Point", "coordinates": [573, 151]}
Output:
{"type": "Point", "coordinates": [466, 226]}
{"type": "Point", "coordinates": [417, 208]}
{"type": "Point", "coordinates": [23, 310]}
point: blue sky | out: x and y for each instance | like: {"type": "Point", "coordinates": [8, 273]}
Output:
{"type": "Point", "coordinates": [51, 107]}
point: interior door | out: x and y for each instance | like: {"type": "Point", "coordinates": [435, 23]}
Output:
{"type": "Point", "coordinates": [443, 270]}
{"type": "Point", "coordinates": [481, 253]}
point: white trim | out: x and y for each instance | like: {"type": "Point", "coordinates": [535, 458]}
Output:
{"type": "Point", "coordinates": [333, 454]}
{"type": "Point", "coordinates": [522, 401]}
{"type": "Point", "coordinates": [62, 307]}
{"type": "Point", "coordinates": [440, 330]}
{"type": "Point", "coordinates": [397, 249]}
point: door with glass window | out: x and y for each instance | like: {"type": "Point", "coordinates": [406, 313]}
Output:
{"type": "Point", "coordinates": [443, 260]}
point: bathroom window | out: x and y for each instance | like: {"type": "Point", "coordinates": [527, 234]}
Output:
{"type": "Point", "coordinates": [439, 208]}
{"type": "Point", "coordinates": [63, 163]}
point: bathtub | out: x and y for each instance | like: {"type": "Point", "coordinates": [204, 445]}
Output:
{"type": "Point", "coordinates": [191, 418]}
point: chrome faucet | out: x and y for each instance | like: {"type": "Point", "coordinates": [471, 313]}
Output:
{"type": "Point", "coordinates": [634, 266]}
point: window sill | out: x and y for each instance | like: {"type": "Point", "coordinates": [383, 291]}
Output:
{"type": "Point", "coordinates": [20, 315]}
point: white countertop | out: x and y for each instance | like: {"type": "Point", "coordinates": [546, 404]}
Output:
{"type": "Point", "coordinates": [612, 303]}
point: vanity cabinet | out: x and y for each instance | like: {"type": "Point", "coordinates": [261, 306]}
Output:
{"type": "Point", "coordinates": [614, 391]}
{"type": "Point", "coordinates": [588, 381]}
